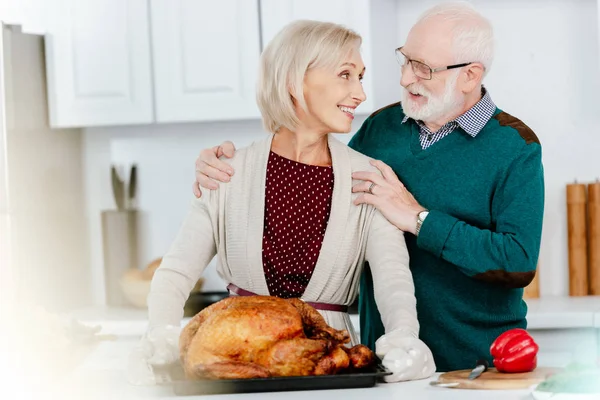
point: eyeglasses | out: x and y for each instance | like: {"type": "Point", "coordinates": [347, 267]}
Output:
{"type": "Point", "coordinates": [422, 70]}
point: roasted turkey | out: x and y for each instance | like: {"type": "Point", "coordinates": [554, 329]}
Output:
{"type": "Point", "coordinates": [264, 336]}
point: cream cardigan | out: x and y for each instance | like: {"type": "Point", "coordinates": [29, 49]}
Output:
{"type": "Point", "coordinates": [228, 222]}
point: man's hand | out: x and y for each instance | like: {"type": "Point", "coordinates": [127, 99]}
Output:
{"type": "Point", "coordinates": [388, 195]}
{"type": "Point", "coordinates": [209, 169]}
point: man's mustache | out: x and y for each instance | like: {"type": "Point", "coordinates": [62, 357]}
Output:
{"type": "Point", "coordinates": [417, 89]}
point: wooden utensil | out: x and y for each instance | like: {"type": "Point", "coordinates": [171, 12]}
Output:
{"type": "Point", "coordinates": [532, 291]}
{"type": "Point", "coordinates": [594, 237]}
{"type": "Point", "coordinates": [492, 379]}
{"type": "Point", "coordinates": [577, 238]}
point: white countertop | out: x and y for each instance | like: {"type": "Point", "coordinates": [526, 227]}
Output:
{"type": "Point", "coordinates": [102, 376]}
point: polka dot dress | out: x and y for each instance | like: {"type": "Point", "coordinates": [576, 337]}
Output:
{"type": "Point", "coordinates": [297, 206]}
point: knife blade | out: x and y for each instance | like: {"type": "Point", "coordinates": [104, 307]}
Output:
{"type": "Point", "coordinates": [481, 366]}
{"type": "Point", "coordinates": [118, 188]}
{"type": "Point", "coordinates": [444, 384]}
{"type": "Point", "coordinates": [132, 187]}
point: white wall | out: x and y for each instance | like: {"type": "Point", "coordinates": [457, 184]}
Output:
{"type": "Point", "coordinates": [546, 73]}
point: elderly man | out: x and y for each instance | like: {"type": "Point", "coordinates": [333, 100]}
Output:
{"type": "Point", "coordinates": [463, 177]}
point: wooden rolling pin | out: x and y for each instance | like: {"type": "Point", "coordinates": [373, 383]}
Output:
{"type": "Point", "coordinates": [594, 237]}
{"type": "Point", "coordinates": [578, 257]}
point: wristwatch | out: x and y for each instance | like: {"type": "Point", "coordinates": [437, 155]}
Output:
{"type": "Point", "coordinates": [420, 219]}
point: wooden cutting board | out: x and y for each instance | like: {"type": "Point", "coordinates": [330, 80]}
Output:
{"type": "Point", "coordinates": [492, 379]}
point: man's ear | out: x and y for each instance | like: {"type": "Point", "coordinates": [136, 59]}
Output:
{"type": "Point", "coordinates": [473, 76]}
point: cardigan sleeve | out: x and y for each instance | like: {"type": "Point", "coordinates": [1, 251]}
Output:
{"type": "Point", "coordinates": [181, 267]}
{"type": "Point", "coordinates": [393, 285]}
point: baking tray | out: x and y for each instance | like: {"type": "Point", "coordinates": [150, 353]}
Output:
{"type": "Point", "coordinates": [363, 379]}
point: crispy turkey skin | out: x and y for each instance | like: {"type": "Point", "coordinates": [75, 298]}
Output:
{"type": "Point", "coordinates": [264, 336]}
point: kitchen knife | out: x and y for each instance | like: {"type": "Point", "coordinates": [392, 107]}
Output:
{"type": "Point", "coordinates": [481, 367]}
{"type": "Point", "coordinates": [132, 187]}
{"type": "Point", "coordinates": [118, 187]}
{"type": "Point", "coordinates": [444, 384]}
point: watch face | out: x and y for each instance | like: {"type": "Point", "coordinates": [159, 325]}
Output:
{"type": "Point", "coordinates": [423, 215]}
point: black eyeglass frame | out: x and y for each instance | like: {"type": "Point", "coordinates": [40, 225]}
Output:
{"type": "Point", "coordinates": [431, 70]}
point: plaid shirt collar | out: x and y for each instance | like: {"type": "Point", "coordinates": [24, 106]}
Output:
{"type": "Point", "coordinates": [475, 118]}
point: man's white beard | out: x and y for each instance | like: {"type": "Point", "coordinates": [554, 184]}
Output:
{"type": "Point", "coordinates": [436, 108]}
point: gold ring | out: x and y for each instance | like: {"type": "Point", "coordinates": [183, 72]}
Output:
{"type": "Point", "coordinates": [370, 190]}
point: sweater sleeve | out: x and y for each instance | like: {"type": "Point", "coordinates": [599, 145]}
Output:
{"type": "Point", "coordinates": [393, 285]}
{"type": "Point", "coordinates": [181, 267]}
{"type": "Point", "coordinates": [506, 255]}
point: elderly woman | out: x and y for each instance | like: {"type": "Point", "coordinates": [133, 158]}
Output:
{"type": "Point", "coordinates": [285, 225]}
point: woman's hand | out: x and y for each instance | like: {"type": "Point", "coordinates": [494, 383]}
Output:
{"type": "Point", "coordinates": [407, 357]}
{"type": "Point", "coordinates": [210, 170]}
{"type": "Point", "coordinates": [386, 193]}
{"type": "Point", "coordinates": [159, 347]}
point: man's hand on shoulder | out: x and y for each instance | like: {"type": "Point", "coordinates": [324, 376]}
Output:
{"type": "Point", "coordinates": [387, 193]}
{"type": "Point", "coordinates": [210, 169]}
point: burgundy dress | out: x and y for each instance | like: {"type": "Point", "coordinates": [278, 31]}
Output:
{"type": "Point", "coordinates": [297, 206]}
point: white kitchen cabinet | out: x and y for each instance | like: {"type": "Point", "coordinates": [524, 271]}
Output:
{"type": "Point", "coordinates": [98, 63]}
{"type": "Point", "coordinates": [205, 56]}
{"type": "Point", "coordinates": [354, 14]}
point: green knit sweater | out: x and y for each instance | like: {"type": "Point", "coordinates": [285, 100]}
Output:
{"type": "Point", "coordinates": [479, 245]}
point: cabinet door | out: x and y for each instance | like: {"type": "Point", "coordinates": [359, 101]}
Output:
{"type": "Point", "coordinates": [354, 14]}
{"type": "Point", "coordinates": [98, 63]}
{"type": "Point", "coordinates": [205, 59]}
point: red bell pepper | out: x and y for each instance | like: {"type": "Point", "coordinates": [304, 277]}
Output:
{"type": "Point", "coordinates": [514, 351]}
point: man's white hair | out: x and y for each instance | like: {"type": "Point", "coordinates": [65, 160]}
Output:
{"type": "Point", "coordinates": [473, 33]}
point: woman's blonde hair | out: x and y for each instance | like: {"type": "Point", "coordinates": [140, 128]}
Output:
{"type": "Point", "coordinates": [297, 48]}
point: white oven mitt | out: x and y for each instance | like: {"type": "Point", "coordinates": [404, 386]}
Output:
{"type": "Point", "coordinates": [158, 347]}
{"type": "Point", "coordinates": [407, 357]}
